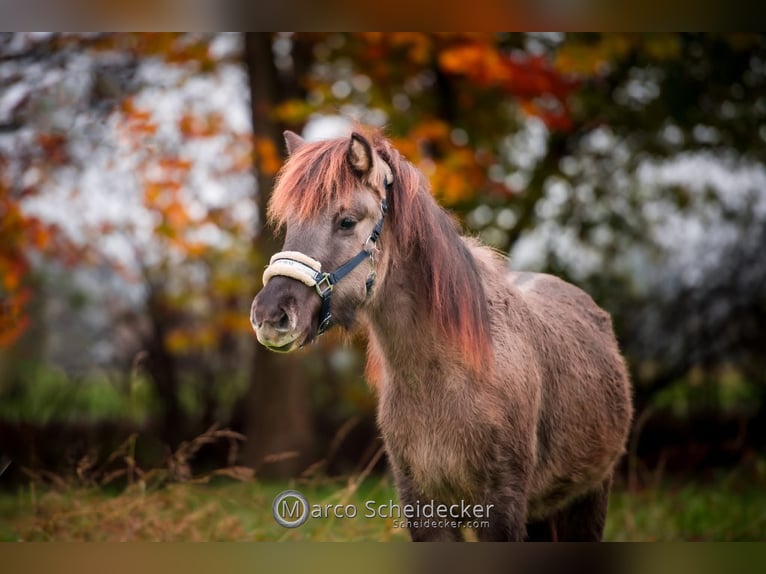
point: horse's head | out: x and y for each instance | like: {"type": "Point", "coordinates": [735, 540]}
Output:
{"type": "Point", "coordinates": [328, 198]}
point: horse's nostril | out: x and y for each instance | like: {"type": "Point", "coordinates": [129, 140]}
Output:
{"type": "Point", "coordinates": [284, 321]}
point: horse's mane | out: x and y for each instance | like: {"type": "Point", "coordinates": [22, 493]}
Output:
{"type": "Point", "coordinates": [448, 279]}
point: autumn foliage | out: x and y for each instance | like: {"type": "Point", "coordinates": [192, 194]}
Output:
{"type": "Point", "coordinates": [162, 171]}
{"type": "Point", "coordinates": [437, 90]}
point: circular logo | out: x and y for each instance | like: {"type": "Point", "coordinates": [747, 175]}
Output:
{"type": "Point", "coordinates": [290, 508]}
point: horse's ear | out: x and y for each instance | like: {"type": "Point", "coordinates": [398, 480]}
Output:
{"type": "Point", "coordinates": [293, 142]}
{"type": "Point", "coordinates": [359, 154]}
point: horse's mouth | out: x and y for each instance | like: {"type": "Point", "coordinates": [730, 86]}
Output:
{"type": "Point", "coordinates": [300, 339]}
{"type": "Point", "coordinates": [286, 348]}
{"type": "Point", "coordinates": [293, 345]}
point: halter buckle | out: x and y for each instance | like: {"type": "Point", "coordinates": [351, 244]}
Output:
{"type": "Point", "coordinates": [324, 286]}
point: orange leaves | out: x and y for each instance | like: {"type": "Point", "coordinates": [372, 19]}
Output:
{"type": "Point", "coordinates": [13, 319]}
{"type": "Point", "coordinates": [267, 158]}
{"type": "Point", "coordinates": [152, 194]}
{"type": "Point", "coordinates": [457, 175]}
{"type": "Point", "coordinates": [39, 234]}
{"type": "Point", "coordinates": [12, 271]}
{"type": "Point", "coordinates": [175, 214]}
{"type": "Point", "coordinates": [197, 236]}
{"type": "Point", "coordinates": [138, 121]}
{"type": "Point", "coordinates": [430, 130]}
{"type": "Point", "coordinates": [163, 197]}
{"type": "Point", "coordinates": [19, 233]}
{"type": "Point", "coordinates": [208, 125]}
{"type": "Point", "coordinates": [417, 45]}
{"type": "Point", "coordinates": [479, 61]}
{"type": "Point", "coordinates": [163, 180]}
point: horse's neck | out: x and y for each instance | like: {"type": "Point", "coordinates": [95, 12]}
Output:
{"type": "Point", "coordinates": [401, 325]}
{"type": "Point", "coordinates": [406, 334]}
{"type": "Point", "coordinates": [424, 325]}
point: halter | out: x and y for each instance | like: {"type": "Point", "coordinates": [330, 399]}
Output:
{"type": "Point", "coordinates": [308, 270]}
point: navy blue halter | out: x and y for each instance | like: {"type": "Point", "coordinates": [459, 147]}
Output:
{"type": "Point", "coordinates": [325, 282]}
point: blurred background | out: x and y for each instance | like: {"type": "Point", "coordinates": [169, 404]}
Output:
{"type": "Point", "coordinates": [134, 171]}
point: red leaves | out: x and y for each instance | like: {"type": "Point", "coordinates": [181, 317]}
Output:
{"type": "Point", "coordinates": [53, 146]}
{"type": "Point", "coordinates": [541, 90]}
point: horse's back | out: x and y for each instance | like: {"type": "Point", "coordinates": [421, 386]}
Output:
{"type": "Point", "coordinates": [557, 301]}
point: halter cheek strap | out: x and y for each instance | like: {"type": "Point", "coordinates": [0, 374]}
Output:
{"type": "Point", "coordinates": [308, 271]}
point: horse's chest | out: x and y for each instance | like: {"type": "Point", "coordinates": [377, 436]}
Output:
{"type": "Point", "coordinates": [429, 442]}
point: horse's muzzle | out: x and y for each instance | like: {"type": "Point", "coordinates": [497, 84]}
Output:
{"type": "Point", "coordinates": [281, 318]}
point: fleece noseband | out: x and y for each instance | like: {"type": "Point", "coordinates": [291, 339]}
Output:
{"type": "Point", "coordinates": [307, 270]}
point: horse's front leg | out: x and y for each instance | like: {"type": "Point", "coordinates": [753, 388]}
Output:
{"type": "Point", "coordinates": [507, 517]}
{"type": "Point", "coordinates": [410, 494]}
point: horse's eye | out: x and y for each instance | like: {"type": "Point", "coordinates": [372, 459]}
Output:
{"type": "Point", "coordinates": [347, 223]}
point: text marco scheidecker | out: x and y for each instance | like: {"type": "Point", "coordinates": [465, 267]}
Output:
{"type": "Point", "coordinates": [291, 508]}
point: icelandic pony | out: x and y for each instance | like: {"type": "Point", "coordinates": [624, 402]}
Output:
{"type": "Point", "coordinates": [496, 388]}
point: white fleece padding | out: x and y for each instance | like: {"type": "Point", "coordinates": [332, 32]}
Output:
{"type": "Point", "coordinates": [297, 256]}
{"type": "Point", "coordinates": [295, 265]}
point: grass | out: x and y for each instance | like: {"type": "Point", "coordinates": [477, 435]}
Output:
{"type": "Point", "coordinates": [227, 504]}
{"type": "Point", "coordinates": [726, 508]}
{"type": "Point", "coordinates": [222, 511]}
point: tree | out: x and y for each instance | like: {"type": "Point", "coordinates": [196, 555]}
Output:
{"type": "Point", "coordinates": [277, 411]}
{"type": "Point", "coordinates": [128, 129]}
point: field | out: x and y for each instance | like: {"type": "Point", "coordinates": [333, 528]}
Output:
{"type": "Point", "coordinates": [723, 507]}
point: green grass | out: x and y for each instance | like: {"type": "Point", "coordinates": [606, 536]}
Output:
{"type": "Point", "coordinates": [722, 509]}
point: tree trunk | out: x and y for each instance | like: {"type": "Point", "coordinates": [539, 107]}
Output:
{"type": "Point", "coordinates": [277, 411]}
{"type": "Point", "coordinates": [163, 370]}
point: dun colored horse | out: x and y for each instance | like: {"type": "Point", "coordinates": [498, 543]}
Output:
{"type": "Point", "coordinates": [496, 388]}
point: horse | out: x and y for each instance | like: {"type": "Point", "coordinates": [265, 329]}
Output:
{"type": "Point", "coordinates": [505, 389]}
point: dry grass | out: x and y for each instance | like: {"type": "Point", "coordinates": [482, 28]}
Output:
{"type": "Point", "coordinates": [221, 511]}
{"type": "Point", "coordinates": [224, 510]}
{"type": "Point", "coordinates": [116, 501]}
